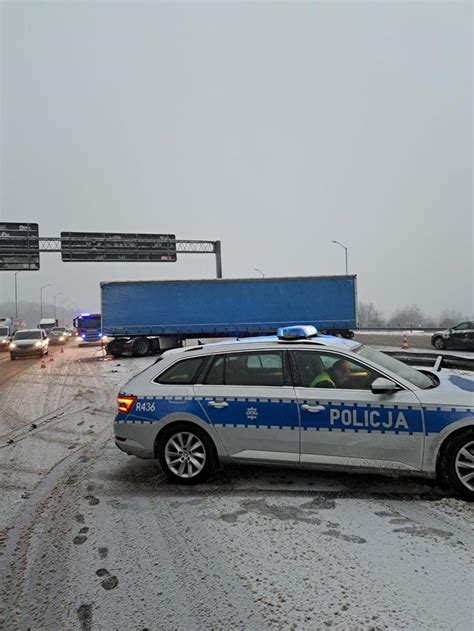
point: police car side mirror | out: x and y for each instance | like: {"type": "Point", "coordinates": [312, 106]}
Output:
{"type": "Point", "coordinates": [384, 386]}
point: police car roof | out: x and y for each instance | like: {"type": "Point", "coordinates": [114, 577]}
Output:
{"type": "Point", "coordinates": [272, 341]}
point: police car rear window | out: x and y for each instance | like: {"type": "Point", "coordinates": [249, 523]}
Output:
{"type": "Point", "coordinates": [183, 372]}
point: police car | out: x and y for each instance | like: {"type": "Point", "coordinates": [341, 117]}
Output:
{"type": "Point", "coordinates": [302, 399]}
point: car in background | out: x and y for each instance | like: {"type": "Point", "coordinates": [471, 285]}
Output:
{"type": "Point", "coordinates": [459, 337]}
{"type": "Point", "coordinates": [299, 399]}
{"type": "Point", "coordinates": [5, 338]}
{"type": "Point", "coordinates": [29, 342]}
{"type": "Point", "coordinates": [58, 335]}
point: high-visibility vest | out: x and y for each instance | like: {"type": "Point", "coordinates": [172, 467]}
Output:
{"type": "Point", "coordinates": [324, 376]}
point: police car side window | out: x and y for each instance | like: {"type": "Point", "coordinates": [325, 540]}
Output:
{"type": "Point", "coordinates": [247, 369]}
{"type": "Point", "coordinates": [183, 372]}
{"type": "Point", "coordinates": [318, 370]}
{"type": "Point", "coordinates": [215, 375]}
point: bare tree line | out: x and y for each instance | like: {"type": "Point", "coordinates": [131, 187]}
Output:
{"type": "Point", "coordinates": [29, 313]}
{"type": "Point", "coordinates": [368, 315]}
{"type": "Point", "coordinates": [410, 316]}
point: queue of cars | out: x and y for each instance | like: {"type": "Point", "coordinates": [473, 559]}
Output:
{"type": "Point", "coordinates": [28, 342]}
{"type": "Point", "coordinates": [298, 399]}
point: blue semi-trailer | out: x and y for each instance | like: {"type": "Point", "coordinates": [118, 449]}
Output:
{"type": "Point", "coordinates": [144, 317]}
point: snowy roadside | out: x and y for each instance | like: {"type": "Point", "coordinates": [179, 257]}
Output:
{"type": "Point", "coordinates": [104, 541]}
{"type": "Point", "coordinates": [49, 414]}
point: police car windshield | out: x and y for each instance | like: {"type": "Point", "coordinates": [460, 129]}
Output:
{"type": "Point", "coordinates": [415, 377]}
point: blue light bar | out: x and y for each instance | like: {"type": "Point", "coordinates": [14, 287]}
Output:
{"type": "Point", "coordinates": [297, 332]}
{"type": "Point", "coordinates": [85, 314]}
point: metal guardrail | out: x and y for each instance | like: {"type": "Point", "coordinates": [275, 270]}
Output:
{"type": "Point", "coordinates": [429, 359]}
{"type": "Point", "coordinates": [396, 329]}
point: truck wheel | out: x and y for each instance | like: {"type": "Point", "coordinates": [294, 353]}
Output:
{"type": "Point", "coordinates": [457, 464]}
{"type": "Point", "coordinates": [115, 348]}
{"type": "Point", "coordinates": [186, 454]}
{"type": "Point", "coordinates": [140, 347]}
{"type": "Point", "coordinates": [155, 345]}
{"type": "Point", "coordinates": [439, 343]}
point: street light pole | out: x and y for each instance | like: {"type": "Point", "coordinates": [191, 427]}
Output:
{"type": "Point", "coordinates": [343, 246]}
{"type": "Point", "coordinates": [16, 296]}
{"type": "Point", "coordinates": [41, 299]}
{"type": "Point", "coordinates": [259, 271]}
{"type": "Point", "coordinates": [62, 312]}
{"type": "Point", "coordinates": [56, 295]}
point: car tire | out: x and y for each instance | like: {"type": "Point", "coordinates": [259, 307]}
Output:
{"type": "Point", "coordinates": [12, 356]}
{"type": "Point", "coordinates": [140, 347]}
{"type": "Point", "coordinates": [173, 454]}
{"type": "Point", "coordinates": [457, 464]}
{"type": "Point", "coordinates": [439, 343]}
{"type": "Point", "coordinates": [115, 347]}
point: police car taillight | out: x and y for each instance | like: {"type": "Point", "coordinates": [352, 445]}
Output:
{"type": "Point", "coordinates": [125, 404]}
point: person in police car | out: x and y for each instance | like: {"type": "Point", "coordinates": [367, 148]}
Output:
{"type": "Point", "coordinates": [341, 373]}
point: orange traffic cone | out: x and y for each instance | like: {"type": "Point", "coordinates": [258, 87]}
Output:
{"type": "Point", "coordinates": [51, 358]}
{"type": "Point", "coordinates": [405, 346]}
{"type": "Point", "coordinates": [42, 364]}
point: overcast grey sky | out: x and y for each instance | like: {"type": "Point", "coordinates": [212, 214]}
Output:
{"type": "Point", "coordinates": [274, 127]}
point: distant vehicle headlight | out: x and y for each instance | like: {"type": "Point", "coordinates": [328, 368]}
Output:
{"type": "Point", "coordinates": [38, 344]}
{"type": "Point", "coordinates": [12, 345]}
{"type": "Point", "coordinates": [61, 338]}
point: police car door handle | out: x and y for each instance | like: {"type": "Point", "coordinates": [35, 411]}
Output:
{"type": "Point", "coordinates": [218, 404]}
{"type": "Point", "coordinates": [312, 408]}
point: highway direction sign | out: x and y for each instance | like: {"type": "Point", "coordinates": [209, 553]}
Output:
{"type": "Point", "coordinates": [19, 246]}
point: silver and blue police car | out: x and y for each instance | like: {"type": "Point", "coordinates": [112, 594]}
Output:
{"type": "Point", "coordinates": [299, 399]}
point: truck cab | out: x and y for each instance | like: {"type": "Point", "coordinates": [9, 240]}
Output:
{"type": "Point", "coordinates": [47, 324]}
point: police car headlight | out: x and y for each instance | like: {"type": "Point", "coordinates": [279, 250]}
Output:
{"type": "Point", "coordinates": [12, 345]}
{"type": "Point", "coordinates": [38, 344]}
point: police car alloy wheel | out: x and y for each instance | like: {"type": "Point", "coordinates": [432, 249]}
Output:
{"type": "Point", "coordinates": [459, 464]}
{"type": "Point", "coordinates": [185, 454]}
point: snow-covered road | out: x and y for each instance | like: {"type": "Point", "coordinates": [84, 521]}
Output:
{"type": "Point", "coordinates": [93, 539]}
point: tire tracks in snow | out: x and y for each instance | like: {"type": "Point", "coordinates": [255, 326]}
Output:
{"type": "Point", "coordinates": [36, 549]}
